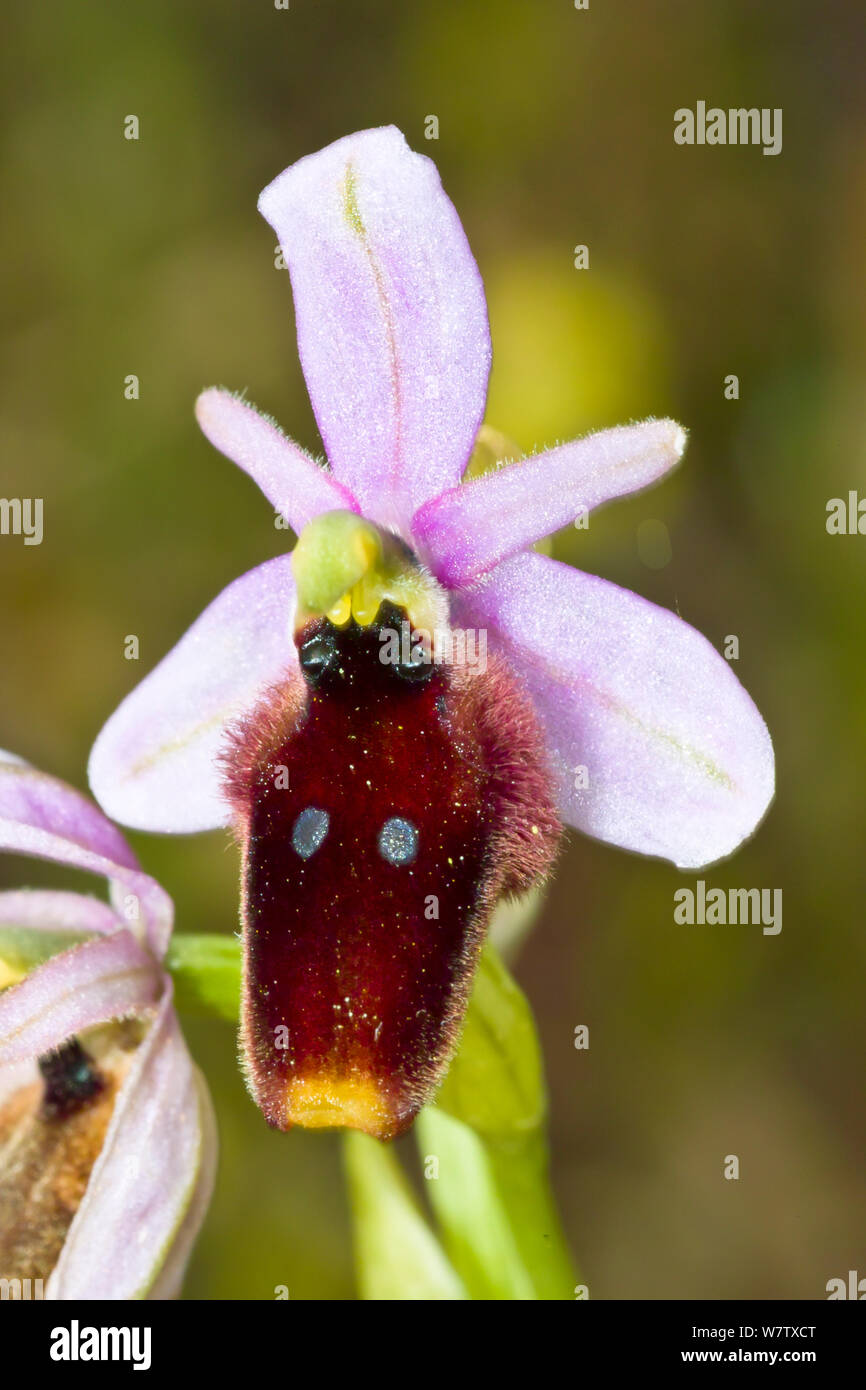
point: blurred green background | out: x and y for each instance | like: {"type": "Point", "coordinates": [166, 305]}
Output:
{"type": "Point", "coordinates": [555, 129]}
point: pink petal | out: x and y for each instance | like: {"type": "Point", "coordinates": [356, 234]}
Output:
{"type": "Point", "coordinates": [295, 485]}
{"type": "Point", "coordinates": [679, 760]}
{"type": "Point", "coordinates": [98, 980]}
{"type": "Point", "coordinates": [47, 910]}
{"type": "Point", "coordinates": [470, 528]}
{"type": "Point", "coordinates": [34, 799]}
{"type": "Point", "coordinates": [42, 816]}
{"type": "Point", "coordinates": [154, 765]}
{"type": "Point", "coordinates": [158, 1145]}
{"type": "Point", "coordinates": [391, 318]}
{"type": "Point", "coordinates": [170, 1279]}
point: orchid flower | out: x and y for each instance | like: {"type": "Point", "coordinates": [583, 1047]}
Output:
{"type": "Point", "coordinates": [107, 1135]}
{"type": "Point", "coordinates": [385, 800]}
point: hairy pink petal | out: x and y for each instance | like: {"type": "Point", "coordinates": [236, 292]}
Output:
{"type": "Point", "coordinates": [105, 978]}
{"type": "Point", "coordinates": [391, 317]}
{"type": "Point", "coordinates": [42, 816]}
{"type": "Point", "coordinates": [45, 909]}
{"type": "Point", "coordinates": [295, 485]}
{"type": "Point", "coordinates": [35, 799]}
{"type": "Point", "coordinates": [159, 1141]}
{"type": "Point", "coordinates": [154, 765]}
{"type": "Point", "coordinates": [468, 529]}
{"type": "Point", "coordinates": [679, 760]}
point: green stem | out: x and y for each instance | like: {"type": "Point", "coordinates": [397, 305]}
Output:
{"type": "Point", "coordinates": [494, 1205]}
{"type": "Point", "coordinates": [396, 1253]}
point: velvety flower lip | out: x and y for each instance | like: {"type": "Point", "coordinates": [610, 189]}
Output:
{"type": "Point", "coordinates": [148, 1188]}
{"type": "Point", "coordinates": [393, 339]}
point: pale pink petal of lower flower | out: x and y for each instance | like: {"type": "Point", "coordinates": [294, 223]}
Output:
{"type": "Point", "coordinates": [678, 760]}
{"type": "Point", "coordinates": [295, 485]}
{"type": "Point", "coordinates": [155, 764]}
{"type": "Point", "coordinates": [47, 910]}
{"type": "Point", "coordinates": [42, 816]}
{"type": "Point", "coordinates": [105, 978]}
{"type": "Point", "coordinates": [34, 798]}
{"type": "Point", "coordinates": [146, 1178]}
{"type": "Point", "coordinates": [468, 529]}
{"type": "Point", "coordinates": [391, 317]}
{"type": "Point", "coordinates": [170, 1279]}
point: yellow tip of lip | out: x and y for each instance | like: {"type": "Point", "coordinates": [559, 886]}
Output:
{"type": "Point", "coordinates": [332, 1102]}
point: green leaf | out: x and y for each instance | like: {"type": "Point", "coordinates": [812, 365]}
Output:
{"type": "Point", "coordinates": [206, 970]}
{"type": "Point", "coordinates": [491, 1191]}
{"type": "Point", "coordinates": [495, 1082]}
{"type": "Point", "coordinates": [396, 1253]}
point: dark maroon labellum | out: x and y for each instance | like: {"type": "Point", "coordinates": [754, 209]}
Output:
{"type": "Point", "coordinates": [383, 809]}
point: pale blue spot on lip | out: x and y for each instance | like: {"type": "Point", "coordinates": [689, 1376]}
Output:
{"type": "Point", "coordinates": [309, 831]}
{"type": "Point", "coordinates": [398, 841]}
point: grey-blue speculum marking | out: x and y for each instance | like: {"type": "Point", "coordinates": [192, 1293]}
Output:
{"type": "Point", "coordinates": [398, 841]}
{"type": "Point", "coordinates": [309, 831]}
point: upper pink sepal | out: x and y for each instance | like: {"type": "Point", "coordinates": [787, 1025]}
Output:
{"type": "Point", "coordinates": [391, 317]}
